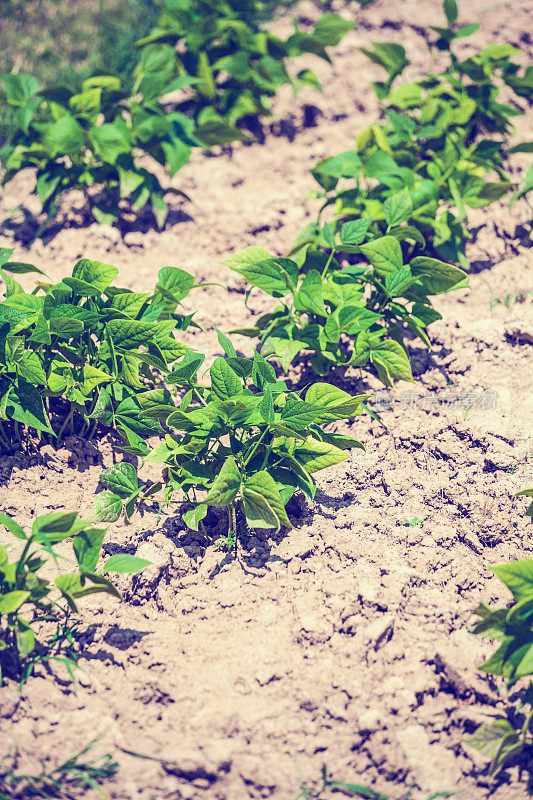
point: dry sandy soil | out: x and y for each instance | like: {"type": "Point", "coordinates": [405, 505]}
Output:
{"type": "Point", "coordinates": [345, 641]}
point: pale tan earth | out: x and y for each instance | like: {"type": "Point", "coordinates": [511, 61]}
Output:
{"type": "Point", "coordinates": [345, 641]}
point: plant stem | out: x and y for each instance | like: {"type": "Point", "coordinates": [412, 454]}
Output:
{"type": "Point", "coordinates": [64, 425]}
{"type": "Point", "coordinates": [92, 430]}
{"type": "Point", "coordinates": [328, 262]}
{"type": "Point", "coordinates": [245, 462]}
{"type": "Point", "coordinates": [3, 436]}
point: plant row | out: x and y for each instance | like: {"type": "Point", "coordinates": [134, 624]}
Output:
{"type": "Point", "coordinates": [356, 289]}
{"type": "Point", "coordinates": [239, 439]}
{"type": "Point", "coordinates": [206, 67]}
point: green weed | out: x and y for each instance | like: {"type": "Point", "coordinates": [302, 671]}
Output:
{"type": "Point", "coordinates": [322, 790]}
{"type": "Point", "coordinates": [69, 779]}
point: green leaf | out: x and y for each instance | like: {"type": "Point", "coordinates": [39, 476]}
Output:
{"type": "Point", "coordinates": [126, 564]}
{"type": "Point", "coordinates": [194, 516]}
{"type": "Point", "coordinates": [354, 232]}
{"type": "Point", "coordinates": [266, 408]}
{"type": "Point", "coordinates": [91, 278]}
{"type": "Point", "coordinates": [11, 601]}
{"type": "Point", "coordinates": [298, 414]}
{"type": "Point", "coordinates": [226, 344]}
{"type": "Point", "coordinates": [129, 334]}
{"type": "Point", "coordinates": [246, 257]}
{"type": "Point", "coordinates": [494, 740]}
{"type": "Point", "coordinates": [450, 9]}
{"type": "Point", "coordinates": [523, 147]}
{"type": "Point", "coordinates": [517, 576]}
{"type": "Point", "coordinates": [65, 327]}
{"type": "Point", "coordinates": [310, 294]}
{"type": "Point", "coordinates": [58, 526]}
{"type": "Point", "coordinates": [64, 137]}
{"type": "Point", "coordinates": [19, 267]}
{"type": "Point", "coordinates": [19, 87]}
{"type": "Point", "coordinates": [121, 478]}
{"type": "Point", "coordinates": [12, 526]}
{"type": "Point", "coordinates": [396, 283]}
{"type": "Point", "coordinates": [216, 132]}
{"type": "Point", "coordinates": [261, 483]}
{"type": "Point", "coordinates": [333, 402]}
{"type": "Point", "coordinates": [226, 485]}
{"type": "Point", "coordinates": [259, 513]}
{"type": "Point", "coordinates": [436, 276]}
{"type": "Point", "coordinates": [398, 207]}
{"type": "Point", "coordinates": [107, 507]}
{"type": "Point", "coordinates": [285, 349]}
{"type": "Point", "coordinates": [307, 77]}
{"type": "Point", "coordinates": [31, 369]}
{"type": "Point", "coordinates": [331, 28]}
{"type": "Point", "coordinates": [112, 139]}
{"type": "Point", "coordinates": [87, 546]}
{"type": "Point", "coordinates": [93, 377]}
{"type": "Point", "coordinates": [225, 382]}
{"type": "Point", "coordinates": [25, 405]}
{"type": "Point", "coordinates": [276, 276]}
{"type": "Point", "coordinates": [391, 362]}
{"type": "Point", "coordinates": [25, 639]}
{"type": "Point", "coordinates": [385, 254]}
{"type": "Point", "coordinates": [177, 153]}
{"type": "Point", "coordinates": [315, 455]}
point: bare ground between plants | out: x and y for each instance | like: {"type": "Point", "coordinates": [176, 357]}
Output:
{"type": "Point", "coordinates": [345, 641]}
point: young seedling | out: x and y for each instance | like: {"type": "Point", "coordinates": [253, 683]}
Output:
{"type": "Point", "coordinates": [84, 352]}
{"type": "Point", "coordinates": [93, 140]}
{"type": "Point", "coordinates": [102, 138]}
{"type": "Point", "coordinates": [326, 784]}
{"type": "Point", "coordinates": [346, 303]}
{"type": "Point", "coordinates": [76, 773]}
{"type": "Point", "coordinates": [27, 599]}
{"type": "Point", "coordinates": [503, 740]}
{"type": "Point", "coordinates": [436, 150]}
{"type": "Point", "coordinates": [123, 495]}
{"type": "Point", "coordinates": [245, 443]}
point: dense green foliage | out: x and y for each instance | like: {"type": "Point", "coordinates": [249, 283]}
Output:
{"type": "Point", "coordinates": [93, 140]}
{"type": "Point", "coordinates": [233, 64]}
{"type": "Point", "coordinates": [512, 628]}
{"type": "Point", "coordinates": [84, 351]}
{"type": "Point", "coordinates": [26, 598]}
{"type": "Point", "coordinates": [440, 148]}
{"type": "Point", "coordinates": [95, 137]}
{"type": "Point", "coordinates": [242, 442]}
{"type": "Point", "coordinates": [441, 143]}
{"type": "Point", "coordinates": [349, 314]}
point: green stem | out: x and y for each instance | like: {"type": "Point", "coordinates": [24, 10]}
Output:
{"type": "Point", "coordinates": [198, 395]}
{"type": "Point", "coordinates": [245, 462]}
{"type": "Point", "coordinates": [328, 262]}
{"type": "Point", "coordinates": [92, 430]}
{"type": "Point", "coordinates": [3, 436]}
{"type": "Point", "coordinates": [64, 425]}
